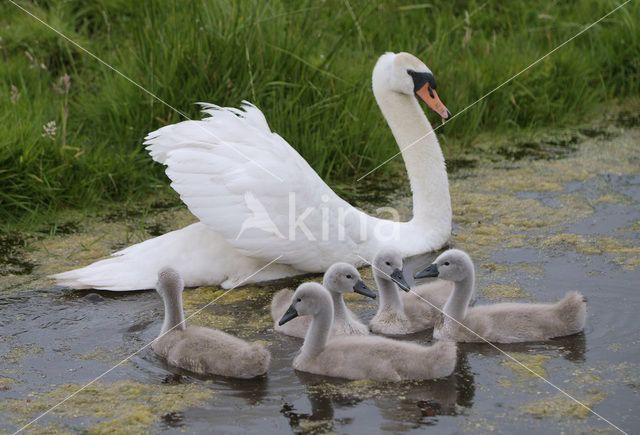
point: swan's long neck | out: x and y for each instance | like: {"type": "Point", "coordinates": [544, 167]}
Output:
{"type": "Point", "coordinates": [339, 307]}
{"type": "Point", "coordinates": [319, 331]}
{"type": "Point", "coordinates": [389, 296]}
{"type": "Point", "coordinates": [421, 153]}
{"type": "Point", "coordinates": [173, 313]}
{"type": "Point", "coordinates": [458, 302]}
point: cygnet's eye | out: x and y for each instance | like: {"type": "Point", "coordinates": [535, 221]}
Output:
{"type": "Point", "coordinates": [299, 300]}
{"type": "Point", "coordinates": [446, 263]}
{"type": "Point", "coordinates": [348, 276]}
{"type": "Point", "coordinates": [387, 263]}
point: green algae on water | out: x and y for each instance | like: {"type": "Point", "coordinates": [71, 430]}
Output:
{"type": "Point", "coordinates": [595, 245]}
{"type": "Point", "coordinates": [121, 406]}
{"type": "Point", "coordinates": [201, 296]}
{"type": "Point", "coordinates": [534, 364]}
{"type": "Point", "coordinates": [496, 291]}
{"type": "Point", "coordinates": [18, 353]}
{"type": "Point", "coordinates": [241, 323]}
{"type": "Point", "coordinates": [627, 263]}
{"type": "Point", "coordinates": [361, 389]}
{"type": "Point", "coordinates": [493, 216]}
{"type": "Point", "coordinates": [6, 383]}
{"type": "Point", "coordinates": [561, 405]}
{"type": "Point", "coordinates": [110, 356]}
{"type": "Point", "coordinates": [209, 319]}
{"type": "Point", "coordinates": [614, 347]}
{"type": "Point", "coordinates": [613, 198]}
{"type": "Point", "coordinates": [498, 268]}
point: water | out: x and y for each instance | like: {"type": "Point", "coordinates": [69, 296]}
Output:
{"type": "Point", "coordinates": [537, 228]}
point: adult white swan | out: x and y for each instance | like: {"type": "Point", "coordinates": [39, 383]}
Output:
{"type": "Point", "coordinates": [258, 200]}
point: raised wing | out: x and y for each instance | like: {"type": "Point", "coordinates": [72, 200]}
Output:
{"type": "Point", "coordinates": [230, 165]}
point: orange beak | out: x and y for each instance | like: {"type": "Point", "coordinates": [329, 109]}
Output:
{"type": "Point", "coordinates": [430, 97]}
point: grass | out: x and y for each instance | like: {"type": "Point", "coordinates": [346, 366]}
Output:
{"type": "Point", "coordinates": [306, 64]}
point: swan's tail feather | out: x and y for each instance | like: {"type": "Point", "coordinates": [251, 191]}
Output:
{"type": "Point", "coordinates": [115, 274]}
{"type": "Point", "coordinates": [136, 267]}
{"type": "Point", "coordinates": [572, 309]}
{"type": "Point", "coordinates": [200, 255]}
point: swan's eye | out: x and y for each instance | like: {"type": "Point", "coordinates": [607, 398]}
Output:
{"type": "Point", "coordinates": [387, 263]}
{"type": "Point", "coordinates": [348, 276]}
{"type": "Point", "coordinates": [299, 300]}
{"type": "Point", "coordinates": [446, 263]}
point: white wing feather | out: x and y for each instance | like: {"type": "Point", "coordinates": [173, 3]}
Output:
{"type": "Point", "coordinates": [215, 163]}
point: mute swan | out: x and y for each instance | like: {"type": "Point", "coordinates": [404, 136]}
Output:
{"type": "Point", "coordinates": [202, 350]}
{"type": "Point", "coordinates": [503, 323]}
{"type": "Point", "coordinates": [403, 313]}
{"type": "Point", "coordinates": [258, 200]}
{"type": "Point", "coordinates": [355, 357]}
{"type": "Point", "coordinates": [340, 278]}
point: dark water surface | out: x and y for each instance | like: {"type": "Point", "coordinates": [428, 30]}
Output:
{"type": "Point", "coordinates": [535, 229]}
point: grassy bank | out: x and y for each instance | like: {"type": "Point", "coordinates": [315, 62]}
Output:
{"type": "Point", "coordinates": [72, 129]}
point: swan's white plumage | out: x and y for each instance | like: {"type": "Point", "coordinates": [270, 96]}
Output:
{"type": "Point", "coordinates": [226, 139]}
{"type": "Point", "coordinates": [137, 266]}
{"type": "Point", "coordinates": [216, 163]}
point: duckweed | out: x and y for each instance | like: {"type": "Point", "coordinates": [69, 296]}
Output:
{"type": "Point", "coordinates": [628, 263]}
{"type": "Point", "coordinates": [612, 198]}
{"type": "Point", "coordinates": [6, 382]}
{"type": "Point", "coordinates": [476, 424]}
{"type": "Point", "coordinates": [111, 356]}
{"type": "Point", "coordinates": [18, 353]}
{"type": "Point", "coordinates": [122, 406]}
{"type": "Point", "coordinates": [560, 405]}
{"type": "Point", "coordinates": [198, 297]}
{"type": "Point", "coordinates": [503, 291]}
{"type": "Point", "coordinates": [497, 267]}
{"type": "Point", "coordinates": [595, 245]}
{"type": "Point", "coordinates": [615, 347]}
{"type": "Point", "coordinates": [562, 241]}
{"type": "Point", "coordinates": [492, 215]}
{"type": "Point", "coordinates": [359, 390]}
{"type": "Point", "coordinates": [209, 319]}
{"type": "Point", "coordinates": [532, 362]}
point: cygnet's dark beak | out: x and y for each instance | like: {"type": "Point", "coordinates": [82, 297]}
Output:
{"type": "Point", "coordinates": [398, 278]}
{"type": "Point", "coordinates": [290, 314]}
{"type": "Point", "coordinates": [362, 289]}
{"type": "Point", "coordinates": [430, 272]}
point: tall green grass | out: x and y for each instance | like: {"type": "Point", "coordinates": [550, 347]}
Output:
{"type": "Point", "coordinates": [306, 64]}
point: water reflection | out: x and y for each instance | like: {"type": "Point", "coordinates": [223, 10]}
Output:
{"type": "Point", "coordinates": [401, 406]}
{"type": "Point", "coordinates": [571, 347]}
{"type": "Point", "coordinates": [319, 420]}
{"type": "Point", "coordinates": [252, 391]}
